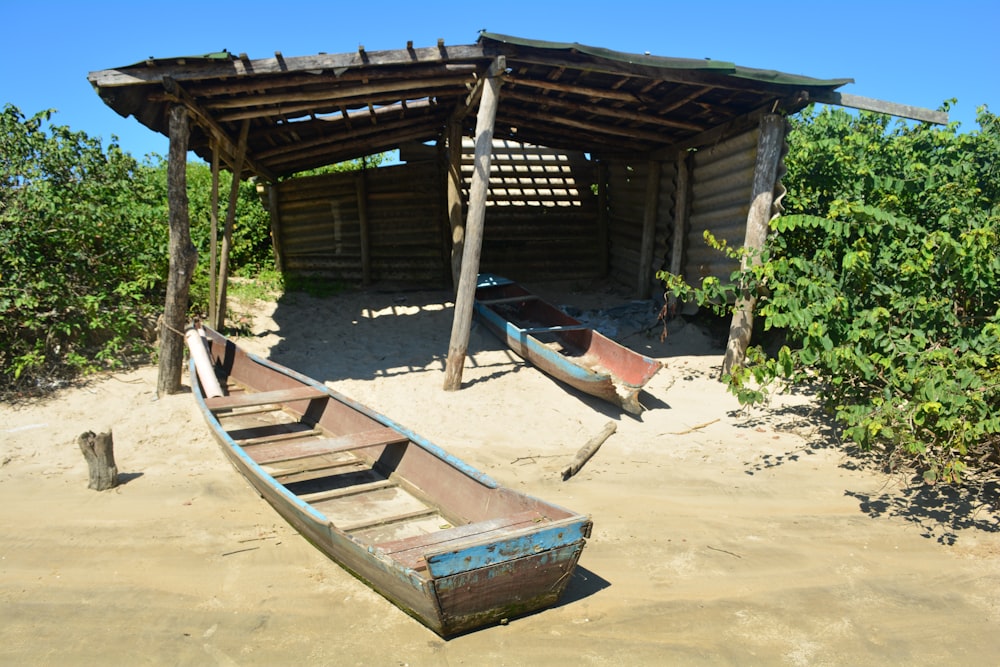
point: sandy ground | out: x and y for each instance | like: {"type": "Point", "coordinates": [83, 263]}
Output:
{"type": "Point", "coordinates": [719, 538]}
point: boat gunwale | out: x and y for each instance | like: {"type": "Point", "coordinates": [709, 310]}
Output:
{"type": "Point", "coordinates": [266, 478]}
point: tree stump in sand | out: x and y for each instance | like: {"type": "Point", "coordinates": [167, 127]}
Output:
{"type": "Point", "coordinates": [98, 449]}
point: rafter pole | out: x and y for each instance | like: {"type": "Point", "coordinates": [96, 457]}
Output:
{"type": "Point", "coordinates": [478, 193]}
{"type": "Point", "coordinates": [214, 130]}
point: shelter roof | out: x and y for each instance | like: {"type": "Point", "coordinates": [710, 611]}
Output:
{"type": "Point", "coordinates": [308, 111]}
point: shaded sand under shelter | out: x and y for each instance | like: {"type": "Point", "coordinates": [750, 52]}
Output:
{"type": "Point", "coordinates": [522, 157]}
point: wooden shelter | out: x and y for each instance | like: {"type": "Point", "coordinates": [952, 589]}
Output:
{"type": "Point", "coordinates": [611, 164]}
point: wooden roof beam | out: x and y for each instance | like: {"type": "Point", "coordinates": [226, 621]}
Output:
{"type": "Point", "coordinates": [336, 134]}
{"type": "Point", "coordinates": [596, 110]}
{"type": "Point", "coordinates": [397, 87]}
{"type": "Point", "coordinates": [130, 76]}
{"type": "Point", "coordinates": [229, 147]}
{"type": "Point", "coordinates": [358, 145]}
{"type": "Point", "coordinates": [879, 106]}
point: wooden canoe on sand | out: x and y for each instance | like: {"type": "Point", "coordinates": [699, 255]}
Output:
{"type": "Point", "coordinates": [442, 541]}
{"type": "Point", "coordinates": [562, 346]}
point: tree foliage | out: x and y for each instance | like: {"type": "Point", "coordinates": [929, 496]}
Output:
{"type": "Point", "coordinates": [883, 277]}
{"type": "Point", "coordinates": [83, 248]}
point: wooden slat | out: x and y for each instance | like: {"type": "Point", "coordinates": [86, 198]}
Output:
{"type": "Point", "coordinates": [555, 329]}
{"type": "Point", "coordinates": [354, 490]}
{"type": "Point", "coordinates": [410, 551]}
{"type": "Point", "coordinates": [508, 299]}
{"type": "Point", "coordinates": [280, 439]}
{"type": "Point", "coordinates": [289, 451]}
{"type": "Point", "coordinates": [264, 398]}
{"type": "Point", "coordinates": [313, 470]}
{"type": "Point", "coordinates": [384, 521]}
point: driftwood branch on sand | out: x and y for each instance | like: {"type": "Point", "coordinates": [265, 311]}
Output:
{"type": "Point", "coordinates": [588, 450]}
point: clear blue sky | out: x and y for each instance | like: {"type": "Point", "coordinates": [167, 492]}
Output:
{"type": "Point", "coordinates": [918, 53]}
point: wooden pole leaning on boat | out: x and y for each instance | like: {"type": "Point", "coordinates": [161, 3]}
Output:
{"type": "Point", "coordinates": [202, 364]}
{"type": "Point", "coordinates": [589, 450]}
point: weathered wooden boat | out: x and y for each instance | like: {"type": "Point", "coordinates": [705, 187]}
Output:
{"type": "Point", "coordinates": [441, 540]}
{"type": "Point", "coordinates": [561, 345]}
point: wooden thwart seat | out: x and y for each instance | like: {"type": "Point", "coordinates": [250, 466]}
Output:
{"type": "Point", "coordinates": [410, 551]}
{"type": "Point", "coordinates": [555, 329]}
{"type": "Point", "coordinates": [386, 520]}
{"type": "Point", "coordinates": [508, 299]}
{"type": "Point", "coordinates": [300, 449]}
{"type": "Point", "coordinates": [353, 490]}
{"type": "Point", "coordinates": [277, 396]}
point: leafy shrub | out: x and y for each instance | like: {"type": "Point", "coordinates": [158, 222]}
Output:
{"type": "Point", "coordinates": [885, 279]}
{"type": "Point", "coordinates": [82, 251]}
{"type": "Point", "coordinates": [84, 248]}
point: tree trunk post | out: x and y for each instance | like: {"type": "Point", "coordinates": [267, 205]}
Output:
{"type": "Point", "coordinates": [765, 175]}
{"type": "Point", "coordinates": [183, 258]}
{"type": "Point", "coordinates": [478, 193]}
{"type": "Point", "coordinates": [98, 450]}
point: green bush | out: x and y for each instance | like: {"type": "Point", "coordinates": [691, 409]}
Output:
{"type": "Point", "coordinates": [82, 251]}
{"type": "Point", "coordinates": [884, 277]}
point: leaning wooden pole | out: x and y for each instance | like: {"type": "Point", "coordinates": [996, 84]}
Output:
{"type": "Point", "coordinates": [183, 258]}
{"type": "Point", "coordinates": [213, 272]}
{"type": "Point", "coordinates": [227, 234]}
{"type": "Point", "coordinates": [765, 175]}
{"type": "Point", "coordinates": [478, 192]}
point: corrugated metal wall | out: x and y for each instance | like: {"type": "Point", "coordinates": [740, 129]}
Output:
{"type": "Point", "coordinates": [628, 183]}
{"type": "Point", "coordinates": [721, 187]}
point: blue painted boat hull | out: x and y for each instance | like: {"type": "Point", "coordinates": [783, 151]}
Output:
{"type": "Point", "coordinates": [444, 542]}
{"type": "Point", "coordinates": [561, 346]}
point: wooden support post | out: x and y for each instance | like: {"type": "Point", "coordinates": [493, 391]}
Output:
{"type": "Point", "coordinates": [681, 211]}
{"type": "Point", "coordinates": [272, 206]}
{"type": "Point", "coordinates": [99, 451]}
{"type": "Point", "coordinates": [183, 258]}
{"type": "Point", "coordinates": [645, 278]}
{"type": "Point", "coordinates": [603, 234]}
{"type": "Point", "coordinates": [454, 202]}
{"type": "Point", "coordinates": [366, 251]}
{"type": "Point", "coordinates": [214, 237]}
{"type": "Point", "coordinates": [227, 236]}
{"type": "Point", "coordinates": [765, 174]}
{"type": "Point", "coordinates": [478, 192]}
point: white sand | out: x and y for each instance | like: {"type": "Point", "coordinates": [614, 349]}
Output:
{"type": "Point", "coordinates": [718, 538]}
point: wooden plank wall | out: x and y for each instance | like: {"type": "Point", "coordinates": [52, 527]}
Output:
{"type": "Point", "coordinates": [541, 216]}
{"type": "Point", "coordinates": [627, 187]}
{"type": "Point", "coordinates": [721, 187]}
{"type": "Point", "coordinates": [320, 227]}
